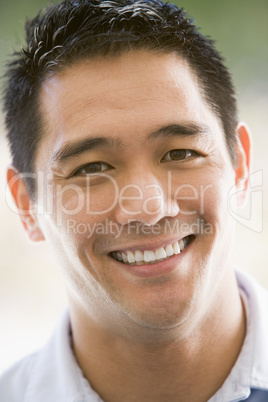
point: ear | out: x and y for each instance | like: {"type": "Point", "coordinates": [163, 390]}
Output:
{"type": "Point", "coordinates": [243, 152]}
{"type": "Point", "coordinates": [24, 204]}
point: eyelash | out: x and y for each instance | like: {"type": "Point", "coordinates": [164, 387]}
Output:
{"type": "Point", "coordinates": [189, 152]}
{"type": "Point", "coordinates": [78, 171]}
{"type": "Point", "coordinates": [189, 155]}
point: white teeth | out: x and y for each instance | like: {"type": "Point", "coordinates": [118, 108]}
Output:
{"type": "Point", "coordinates": [124, 257]}
{"type": "Point", "coordinates": [169, 250]}
{"type": "Point", "coordinates": [119, 256]}
{"type": "Point", "coordinates": [160, 253]}
{"type": "Point", "coordinates": [138, 256]}
{"type": "Point", "coordinates": [149, 256]}
{"type": "Point", "coordinates": [130, 256]}
{"type": "Point", "coordinates": [176, 248]}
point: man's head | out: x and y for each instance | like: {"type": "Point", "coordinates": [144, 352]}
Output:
{"type": "Point", "coordinates": [75, 30]}
{"type": "Point", "coordinates": [138, 140]}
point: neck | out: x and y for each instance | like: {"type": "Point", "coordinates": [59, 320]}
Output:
{"type": "Point", "coordinates": [163, 364]}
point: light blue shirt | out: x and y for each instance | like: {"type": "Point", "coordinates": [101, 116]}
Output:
{"type": "Point", "coordinates": [53, 375]}
{"type": "Point", "coordinates": [248, 379]}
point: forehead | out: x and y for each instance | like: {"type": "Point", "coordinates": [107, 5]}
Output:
{"type": "Point", "coordinates": [126, 96]}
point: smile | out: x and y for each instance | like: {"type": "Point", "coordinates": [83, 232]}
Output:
{"type": "Point", "coordinates": [145, 257]}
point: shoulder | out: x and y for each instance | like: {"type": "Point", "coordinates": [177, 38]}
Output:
{"type": "Point", "coordinates": [31, 378]}
{"type": "Point", "coordinates": [14, 381]}
{"type": "Point", "coordinates": [257, 299]}
{"type": "Point", "coordinates": [50, 374]}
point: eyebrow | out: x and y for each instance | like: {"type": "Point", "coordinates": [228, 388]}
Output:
{"type": "Point", "coordinates": [73, 149]}
{"type": "Point", "coordinates": [180, 130]}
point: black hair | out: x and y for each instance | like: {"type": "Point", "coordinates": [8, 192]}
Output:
{"type": "Point", "coordinates": [77, 29]}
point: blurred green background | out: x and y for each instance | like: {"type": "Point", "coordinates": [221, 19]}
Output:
{"type": "Point", "coordinates": [31, 290]}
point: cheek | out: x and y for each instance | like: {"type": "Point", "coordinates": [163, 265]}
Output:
{"type": "Point", "coordinates": [198, 193]}
{"type": "Point", "coordinates": [75, 210]}
{"type": "Point", "coordinates": [74, 216]}
{"type": "Point", "coordinates": [72, 243]}
{"type": "Point", "coordinates": [215, 202]}
{"type": "Point", "coordinates": [217, 214]}
{"type": "Point", "coordinates": [212, 186]}
{"type": "Point", "coordinates": [87, 199]}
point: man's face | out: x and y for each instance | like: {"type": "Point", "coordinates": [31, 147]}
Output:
{"type": "Point", "coordinates": [135, 161]}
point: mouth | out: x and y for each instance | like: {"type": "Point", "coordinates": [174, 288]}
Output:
{"type": "Point", "coordinates": [145, 257]}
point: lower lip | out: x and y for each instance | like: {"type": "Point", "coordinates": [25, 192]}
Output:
{"type": "Point", "coordinates": [157, 269]}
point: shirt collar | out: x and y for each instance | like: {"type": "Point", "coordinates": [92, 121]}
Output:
{"type": "Point", "coordinates": [258, 324]}
{"type": "Point", "coordinates": [56, 374]}
{"type": "Point", "coordinates": [251, 368]}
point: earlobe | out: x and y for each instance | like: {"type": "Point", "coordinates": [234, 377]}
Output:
{"type": "Point", "coordinates": [24, 204]}
{"type": "Point", "coordinates": [243, 152]}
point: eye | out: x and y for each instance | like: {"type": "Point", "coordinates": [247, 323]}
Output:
{"type": "Point", "coordinates": [92, 168]}
{"type": "Point", "coordinates": [179, 155]}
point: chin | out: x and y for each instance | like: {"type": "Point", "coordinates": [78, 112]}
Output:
{"type": "Point", "coordinates": [162, 311]}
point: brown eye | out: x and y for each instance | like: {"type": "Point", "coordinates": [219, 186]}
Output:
{"type": "Point", "coordinates": [92, 168]}
{"type": "Point", "coordinates": [179, 155]}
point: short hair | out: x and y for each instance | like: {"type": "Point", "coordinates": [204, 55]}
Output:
{"type": "Point", "coordinates": [81, 29]}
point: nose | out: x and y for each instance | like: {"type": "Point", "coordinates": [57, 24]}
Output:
{"type": "Point", "coordinates": [145, 200]}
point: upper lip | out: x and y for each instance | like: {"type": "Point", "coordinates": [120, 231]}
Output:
{"type": "Point", "coordinates": [149, 245]}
